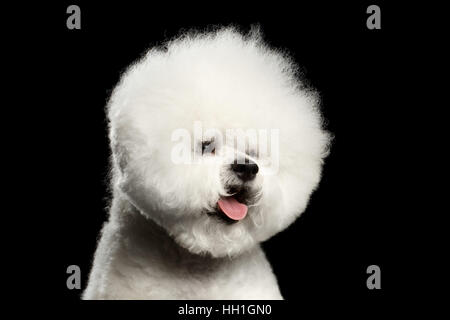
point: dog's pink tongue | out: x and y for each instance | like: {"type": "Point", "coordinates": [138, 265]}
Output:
{"type": "Point", "coordinates": [233, 208]}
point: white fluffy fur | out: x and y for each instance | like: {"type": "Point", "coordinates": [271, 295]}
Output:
{"type": "Point", "coordinates": [159, 243]}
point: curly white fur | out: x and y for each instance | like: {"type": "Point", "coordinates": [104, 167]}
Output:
{"type": "Point", "coordinates": [159, 241]}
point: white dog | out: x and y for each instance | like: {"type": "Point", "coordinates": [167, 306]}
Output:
{"type": "Point", "coordinates": [192, 229]}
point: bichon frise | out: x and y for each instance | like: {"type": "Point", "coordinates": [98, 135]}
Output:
{"type": "Point", "coordinates": [216, 146]}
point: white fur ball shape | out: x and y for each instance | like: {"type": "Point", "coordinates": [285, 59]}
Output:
{"type": "Point", "coordinates": [222, 80]}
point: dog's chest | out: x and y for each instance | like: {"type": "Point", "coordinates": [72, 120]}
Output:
{"type": "Point", "coordinates": [170, 277]}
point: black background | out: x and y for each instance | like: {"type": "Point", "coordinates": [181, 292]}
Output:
{"type": "Point", "coordinates": [355, 218]}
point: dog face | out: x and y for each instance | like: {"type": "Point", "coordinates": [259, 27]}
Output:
{"type": "Point", "coordinates": [216, 140]}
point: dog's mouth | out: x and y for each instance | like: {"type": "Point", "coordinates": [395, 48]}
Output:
{"type": "Point", "coordinates": [234, 208]}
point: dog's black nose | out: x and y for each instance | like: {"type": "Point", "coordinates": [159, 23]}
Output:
{"type": "Point", "coordinates": [245, 171]}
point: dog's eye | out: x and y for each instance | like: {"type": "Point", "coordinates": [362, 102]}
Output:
{"type": "Point", "coordinates": [208, 147]}
{"type": "Point", "coordinates": [253, 153]}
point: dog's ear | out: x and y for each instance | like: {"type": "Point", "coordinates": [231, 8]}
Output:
{"type": "Point", "coordinates": [128, 145]}
{"type": "Point", "coordinates": [120, 156]}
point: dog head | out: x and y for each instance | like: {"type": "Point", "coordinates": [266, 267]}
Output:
{"type": "Point", "coordinates": [215, 139]}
